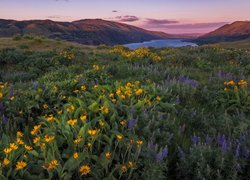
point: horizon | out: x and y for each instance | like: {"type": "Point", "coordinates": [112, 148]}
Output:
{"type": "Point", "coordinates": [173, 17]}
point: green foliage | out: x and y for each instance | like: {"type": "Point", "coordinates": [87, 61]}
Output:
{"type": "Point", "coordinates": [169, 113]}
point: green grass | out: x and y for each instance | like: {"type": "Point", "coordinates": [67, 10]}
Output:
{"type": "Point", "coordinates": [169, 113]}
{"type": "Point", "coordinates": [243, 44]}
{"type": "Point", "coordinates": [42, 44]}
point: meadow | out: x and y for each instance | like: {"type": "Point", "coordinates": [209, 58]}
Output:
{"type": "Point", "coordinates": [69, 111]}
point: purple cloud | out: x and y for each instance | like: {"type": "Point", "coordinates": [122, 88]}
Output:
{"type": "Point", "coordinates": [196, 25]}
{"type": "Point", "coordinates": [114, 11]}
{"type": "Point", "coordinates": [178, 27]}
{"type": "Point", "coordinates": [160, 21]}
{"type": "Point", "coordinates": [127, 18]}
{"type": "Point", "coordinates": [58, 17]}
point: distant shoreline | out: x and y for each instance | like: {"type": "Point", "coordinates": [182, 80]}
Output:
{"type": "Point", "coordinates": [161, 43]}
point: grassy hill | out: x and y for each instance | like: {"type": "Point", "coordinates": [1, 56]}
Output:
{"type": "Point", "coordinates": [243, 44]}
{"type": "Point", "coordinates": [69, 111]}
{"type": "Point", "coordinates": [86, 31]}
{"type": "Point", "coordinates": [38, 43]}
{"type": "Point", "coordinates": [235, 31]}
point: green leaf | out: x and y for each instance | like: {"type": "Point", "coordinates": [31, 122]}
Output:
{"type": "Point", "coordinates": [94, 107]}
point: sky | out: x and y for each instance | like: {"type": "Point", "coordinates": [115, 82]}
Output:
{"type": "Point", "coordinates": [170, 16]}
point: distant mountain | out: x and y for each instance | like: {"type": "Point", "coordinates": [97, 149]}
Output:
{"type": "Point", "coordinates": [88, 31]}
{"type": "Point", "coordinates": [238, 30]}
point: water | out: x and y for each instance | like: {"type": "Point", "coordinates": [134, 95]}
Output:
{"type": "Point", "coordinates": [161, 43]}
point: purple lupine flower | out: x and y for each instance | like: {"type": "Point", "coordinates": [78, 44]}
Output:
{"type": "Point", "coordinates": [237, 151]}
{"type": "Point", "coordinates": [242, 138]}
{"type": "Point", "coordinates": [161, 155]}
{"type": "Point", "coordinates": [131, 123]}
{"type": "Point", "coordinates": [11, 93]}
{"type": "Point", "coordinates": [220, 139]}
{"type": "Point", "coordinates": [5, 119]}
{"type": "Point", "coordinates": [187, 81]}
{"type": "Point", "coordinates": [226, 145]}
{"type": "Point", "coordinates": [1, 107]}
{"type": "Point", "coordinates": [181, 153]}
{"type": "Point", "coordinates": [165, 152]}
{"type": "Point", "coordinates": [151, 146]}
{"type": "Point", "coordinates": [245, 152]}
{"type": "Point", "coordinates": [195, 139]}
{"type": "Point", "coordinates": [208, 140]}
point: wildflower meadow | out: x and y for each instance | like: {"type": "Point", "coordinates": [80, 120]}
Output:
{"type": "Point", "coordinates": [115, 113]}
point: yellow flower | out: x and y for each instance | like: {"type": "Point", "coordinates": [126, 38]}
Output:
{"type": "Point", "coordinates": [95, 87]}
{"type": "Point", "coordinates": [83, 88]}
{"type": "Point", "coordinates": [36, 140]}
{"type": "Point", "coordinates": [28, 148]}
{"type": "Point", "coordinates": [85, 169]}
{"type": "Point", "coordinates": [104, 110]}
{"type": "Point", "coordinates": [138, 92]}
{"type": "Point", "coordinates": [1, 95]}
{"type": "Point", "coordinates": [19, 134]}
{"type": "Point", "coordinates": [96, 67]}
{"type": "Point", "coordinates": [242, 83]}
{"type": "Point", "coordinates": [119, 137]}
{"type": "Point", "coordinates": [60, 112]}
{"type": "Point", "coordinates": [102, 123]}
{"type": "Point", "coordinates": [229, 83]}
{"type": "Point", "coordinates": [111, 95]}
{"type": "Point", "coordinates": [20, 165]}
{"type": "Point", "coordinates": [45, 106]}
{"type": "Point", "coordinates": [35, 129]}
{"type": "Point", "coordinates": [49, 138]}
{"type": "Point", "coordinates": [108, 155]}
{"type": "Point", "coordinates": [19, 141]}
{"type": "Point", "coordinates": [89, 145]}
{"type": "Point", "coordinates": [51, 165]}
{"type": "Point", "coordinates": [158, 98]}
{"type": "Point", "coordinates": [75, 155]}
{"type": "Point", "coordinates": [139, 142]}
{"type": "Point", "coordinates": [92, 132]}
{"type": "Point", "coordinates": [12, 98]}
{"type": "Point", "coordinates": [83, 117]}
{"type": "Point", "coordinates": [13, 146]}
{"type": "Point", "coordinates": [70, 108]}
{"type": "Point", "coordinates": [42, 145]}
{"type": "Point", "coordinates": [124, 168]}
{"type": "Point", "coordinates": [51, 117]}
{"type": "Point", "coordinates": [131, 164]}
{"type": "Point", "coordinates": [6, 161]}
{"type": "Point", "coordinates": [78, 140]}
{"type": "Point", "coordinates": [113, 100]}
{"type": "Point", "coordinates": [7, 150]}
{"type": "Point", "coordinates": [123, 122]}
{"type": "Point", "coordinates": [72, 122]}
{"type": "Point", "coordinates": [76, 91]}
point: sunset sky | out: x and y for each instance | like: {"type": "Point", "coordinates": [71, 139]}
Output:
{"type": "Point", "coordinates": [171, 16]}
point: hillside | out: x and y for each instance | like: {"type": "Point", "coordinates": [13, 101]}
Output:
{"type": "Point", "coordinates": [88, 31]}
{"type": "Point", "coordinates": [238, 30]}
{"type": "Point", "coordinates": [242, 44]}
